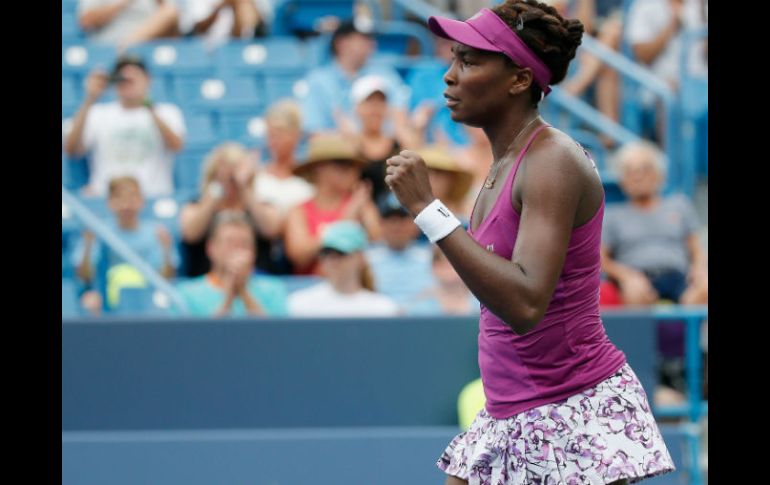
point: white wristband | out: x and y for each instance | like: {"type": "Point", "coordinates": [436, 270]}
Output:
{"type": "Point", "coordinates": [436, 221]}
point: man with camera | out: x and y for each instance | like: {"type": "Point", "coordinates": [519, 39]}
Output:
{"type": "Point", "coordinates": [129, 136]}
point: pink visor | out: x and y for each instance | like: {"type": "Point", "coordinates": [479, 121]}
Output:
{"type": "Point", "coordinates": [487, 31]}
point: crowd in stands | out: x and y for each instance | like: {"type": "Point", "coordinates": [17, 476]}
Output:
{"type": "Point", "coordinates": [303, 224]}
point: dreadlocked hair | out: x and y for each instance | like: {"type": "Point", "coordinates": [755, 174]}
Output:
{"type": "Point", "coordinates": [552, 38]}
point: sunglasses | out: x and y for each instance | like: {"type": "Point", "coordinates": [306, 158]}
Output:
{"type": "Point", "coordinates": [327, 252]}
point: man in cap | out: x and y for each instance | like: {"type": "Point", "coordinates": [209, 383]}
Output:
{"type": "Point", "coordinates": [401, 264]}
{"type": "Point", "coordinates": [347, 289]}
{"type": "Point", "coordinates": [328, 104]}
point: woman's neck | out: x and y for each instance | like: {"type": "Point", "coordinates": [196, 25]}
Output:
{"type": "Point", "coordinates": [646, 202]}
{"type": "Point", "coordinates": [328, 198]}
{"type": "Point", "coordinates": [372, 133]}
{"type": "Point", "coordinates": [281, 167]}
{"type": "Point", "coordinates": [346, 284]}
{"type": "Point", "coordinates": [504, 132]}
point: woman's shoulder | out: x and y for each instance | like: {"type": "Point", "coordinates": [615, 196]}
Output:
{"type": "Point", "coordinates": [553, 142]}
{"type": "Point", "coordinates": [558, 154]}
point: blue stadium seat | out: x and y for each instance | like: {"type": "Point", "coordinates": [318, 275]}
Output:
{"type": "Point", "coordinates": [139, 301]}
{"type": "Point", "coordinates": [300, 16]}
{"type": "Point", "coordinates": [395, 37]}
{"type": "Point", "coordinates": [69, 299]}
{"type": "Point", "coordinates": [284, 85]}
{"type": "Point", "coordinates": [69, 6]}
{"type": "Point", "coordinates": [70, 30]}
{"type": "Point", "coordinates": [273, 53]}
{"type": "Point", "coordinates": [78, 58]}
{"type": "Point", "coordinates": [168, 59]}
{"type": "Point", "coordinates": [294, 282]}
{"type": "Point", "coordinates": [187, 168]}
{"type": "Point", "coordinates": [200, 130]}
{"type": "Point", "coordinates": [189, 56]}
{"type": "Point", "coordinates": [71, 92]}
{"type": "Point", "coordinates": [160, 93]}
{"type": "Point", "coordinates": [97, 205]}
{"type": "Point", "coordinates": [215, 94]}
{"type": "Point", "coordinates": [245, 128]}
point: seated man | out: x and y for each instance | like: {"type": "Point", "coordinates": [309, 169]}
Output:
{"type": "Point", "coordinates": [231, 288]}
{"type": "Point", "coordinates": [401, 265]}
{"type": "Point", "coordinates": [650, 245]}
{"type": "Point", "coordinates": [348, 289]}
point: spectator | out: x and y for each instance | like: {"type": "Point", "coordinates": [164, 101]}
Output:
{"type": "Point", "coordinates": [656, 29]}
{"type": "Point", "coordinates": [276, 184]}
{"type": "Point", "coordinates": [449, 182]}
{"type": "Point", "coordinates": [448, 295]}
{"type": "Point", "coordinates": [123, 23]}
{"type": "Point", "coordinates": [327, 106]}
{"type": "Point", "coordinates": [401, 265]}
{"type": "Point", "coordinates": [604, 21]}
{"type": "Point", "coordinates": [370, 96]}
{"type": "Point", "coordinates": [650, 245]}
{"type": "Point", "coordinates": [152, 242]}
{"type": "Point", "coordinates": [130, 136]}
{"type": "Point", "coordinates": [230, 288]}
{"type": "Point", "coordinates": [334, 169]}
{"type": "Point", "coordinates": [228, 183]}
{"type": "Point", "coordinates": [348, 290]}
{"type": "Point", "coordinates": [220, 20]}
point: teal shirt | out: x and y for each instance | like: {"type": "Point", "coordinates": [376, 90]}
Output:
{"type": "Point", "coordinates": [203, 299]}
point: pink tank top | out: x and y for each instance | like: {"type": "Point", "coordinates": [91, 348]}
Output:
{"type": "Point", "coordinates": [568, 351]}
{"type": "Point", "coordinates": [317, 219]}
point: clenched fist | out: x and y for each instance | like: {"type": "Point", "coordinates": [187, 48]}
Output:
{"type": "Point", "coordinates": [407, 177]}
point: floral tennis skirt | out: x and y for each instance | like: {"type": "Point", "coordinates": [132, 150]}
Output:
{"type": "Point", "coordinates": [601, 435]}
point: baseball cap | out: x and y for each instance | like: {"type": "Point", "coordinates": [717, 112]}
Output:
{"type": "Point", "coordinates": [390, 206]}
{"type": "Point", "coordinates": [345, 237]}
{"type": "Point", "coordinates": [368, 85]}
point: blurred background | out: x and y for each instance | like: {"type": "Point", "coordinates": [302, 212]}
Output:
{"type": "Point", "coordinates": [243, 299]}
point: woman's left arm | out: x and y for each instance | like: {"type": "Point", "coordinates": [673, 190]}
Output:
{"type": "Point", "coordinates": [517, 290]}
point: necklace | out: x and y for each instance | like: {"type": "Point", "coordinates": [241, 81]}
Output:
{"type": "Point", "coordinates": [490, 181]}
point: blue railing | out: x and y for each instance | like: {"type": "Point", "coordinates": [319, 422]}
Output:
{"type": "Point", "coordinates": [92, 222]}
{"type": "Point", "coordinates": [636, 73]}
{"type": "Point", "coordinates": [418, 8]}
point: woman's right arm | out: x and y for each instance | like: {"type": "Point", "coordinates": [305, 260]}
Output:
{"type": "Point", "coordinates": [301, 246]}
{"type": "Point", "coordinates": [196, 218]}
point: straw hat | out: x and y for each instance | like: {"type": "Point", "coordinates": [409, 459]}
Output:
{"type": "Point", "coordinates": [328, 148]}
{"type": "Point", "coordinates": [438, 158]}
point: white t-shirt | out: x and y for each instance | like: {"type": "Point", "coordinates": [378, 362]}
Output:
{"type": "Point", "coordinates": [322, 300]}
{"type": "Point", "coordinates": [282, 193]}
{"type": "Point", "coordinates": [648, 18]}
{"type": "Point", "coordinates": [124, 141]}
{"type": "Point", "coordinates": [125, 22]}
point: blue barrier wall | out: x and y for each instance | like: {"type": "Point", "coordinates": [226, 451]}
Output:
{"type": "Point", "coordinates": [352, 456]}
{"type": "Point", "coordinates": [208, 374]}
{"type": "Point", "coordinates": [283, 401]}
{"type": "Point", "coordinates": [271, 373]}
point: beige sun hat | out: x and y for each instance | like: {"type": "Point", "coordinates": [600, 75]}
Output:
{"type": "Point", "coordinates": [439, 158]}
{"type": "Point", "coordinates": [328, 148]}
